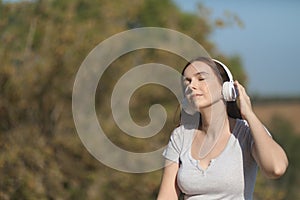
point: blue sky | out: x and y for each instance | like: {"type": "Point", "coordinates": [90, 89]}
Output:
{"type": "Point", "coordinates": [269, 43]}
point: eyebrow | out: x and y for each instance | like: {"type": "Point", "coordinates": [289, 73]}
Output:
{"type": "Point", "coordinates": [196, 74]}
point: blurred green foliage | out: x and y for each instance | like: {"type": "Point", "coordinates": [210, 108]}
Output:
{"type": "Point", "coordinates": [42, 44]}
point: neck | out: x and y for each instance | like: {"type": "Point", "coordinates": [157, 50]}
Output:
{"type": "Point", "coordinates": [214, 118]}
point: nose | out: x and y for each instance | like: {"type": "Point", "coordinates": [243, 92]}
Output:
{"type": "Point", "coordinates": [192, 85]}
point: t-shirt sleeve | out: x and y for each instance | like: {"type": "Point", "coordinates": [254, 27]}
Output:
{"type": "Point", "coordinates": [243, 134]}
{"type": "Point", "coordinates": [245, 137]}
{"type": "Point", "coordinates": [173, 149]}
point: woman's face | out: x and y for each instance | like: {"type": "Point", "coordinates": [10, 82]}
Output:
{"type": "Point", "coordinates": [202, 86]}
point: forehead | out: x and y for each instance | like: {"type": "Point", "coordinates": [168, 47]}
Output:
{"type": "Point", "coordinates": [196, 68]}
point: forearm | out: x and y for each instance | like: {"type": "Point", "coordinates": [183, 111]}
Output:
{"type": "Point", "coordinates": [270, 157]}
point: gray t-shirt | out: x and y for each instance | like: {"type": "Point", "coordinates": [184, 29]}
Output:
{"type": "Point", "coordinates": [231, 175]}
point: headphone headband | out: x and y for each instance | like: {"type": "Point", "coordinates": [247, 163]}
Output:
{"type": "Point", "coordinates": [229, 91]}
{"type": "Point", "coordinates": [226, 69]}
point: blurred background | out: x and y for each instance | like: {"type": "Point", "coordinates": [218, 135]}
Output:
{"type": "Point", "coordinates": [44, 42]}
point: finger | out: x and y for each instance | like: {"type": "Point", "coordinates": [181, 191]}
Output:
{"type": "Point", "coordinates": [243, 96]}
{"type": "Point", "coordinates": [240, 88]}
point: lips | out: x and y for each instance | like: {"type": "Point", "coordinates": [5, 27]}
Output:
{"type": "Point", "coordinates": [197, 95]}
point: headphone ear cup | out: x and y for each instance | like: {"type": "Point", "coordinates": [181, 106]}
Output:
{"type": "Point", "coordinates": [228, 91]}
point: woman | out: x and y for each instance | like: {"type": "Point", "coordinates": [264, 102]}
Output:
{"type": "Point", "coordinates": [215, 151]}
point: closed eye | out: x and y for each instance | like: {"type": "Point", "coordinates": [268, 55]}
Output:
{"type": "Point", "coordinates": [200, 76]}
{"type": "Point", "coordinates": [186, 80]}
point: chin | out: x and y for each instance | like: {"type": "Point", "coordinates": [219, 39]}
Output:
{"type": "Point", "coordinates": [202, 105]}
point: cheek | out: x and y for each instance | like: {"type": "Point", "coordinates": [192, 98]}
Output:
{"type": "Point", "coordinates": [214, 89]}
{"type": "Point", "coordinates": [206, 89]}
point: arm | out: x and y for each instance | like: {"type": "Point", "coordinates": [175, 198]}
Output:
{"type": "Point", "coordinates": [269, 155]}
{"type": "Point", "coordinates": [168, 188]}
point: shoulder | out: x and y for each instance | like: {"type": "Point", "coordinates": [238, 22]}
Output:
{"type": "Point", "coordinates": [182, 131]}
{"type": "Point", "coordinates": [241, 127]}
{"type": "Point", "coordinates": [243, 134]}
{"type": "Point", "coordinates": [182, 134]}
{"type": "Point", "coordinates": [178, 133]}
{"type": "Point", "coordinates": [177, 143]}
{"type": "Point", "coordinates": [242, 131]}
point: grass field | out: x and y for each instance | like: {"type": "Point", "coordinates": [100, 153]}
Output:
{"type": "Point", "coordinates": [289, 110]}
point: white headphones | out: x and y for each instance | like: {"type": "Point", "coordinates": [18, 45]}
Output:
{"type": "Point", "coordinates": [229, 92]}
